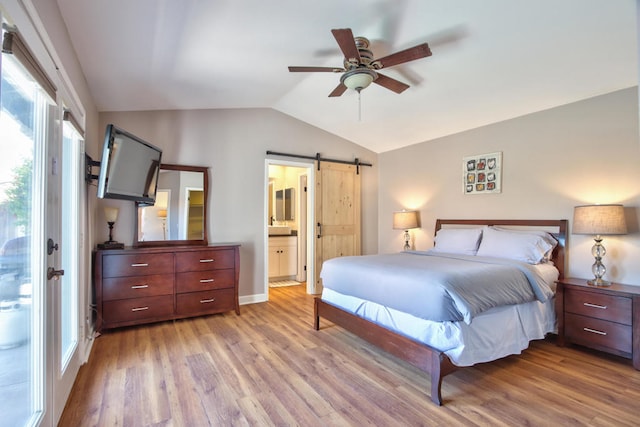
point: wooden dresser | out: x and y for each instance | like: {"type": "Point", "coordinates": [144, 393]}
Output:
{"type": "Point", "coordinates": [603, 318]}
{"type": "Point", "coordinates": [143, 285]}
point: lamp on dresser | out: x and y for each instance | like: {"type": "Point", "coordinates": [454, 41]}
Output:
{"type": "Point", "coordinates": [599, 220]}
{"type": "Point", "coordinates": [162, 214]}
{"type": "Point", "coordinates": [405, 220]}
{"type": "Point", "coordinates": [111, 215]}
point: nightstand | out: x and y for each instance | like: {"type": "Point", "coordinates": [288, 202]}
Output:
{"type": "Point", "coordinates": [602, 318]}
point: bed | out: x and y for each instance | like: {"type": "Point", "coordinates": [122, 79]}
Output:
{"type": "Point", "coordinates": [440, 340]}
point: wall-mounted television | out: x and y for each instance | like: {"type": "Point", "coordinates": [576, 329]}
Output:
{"type": "Point", "coordinates": [129, 167]}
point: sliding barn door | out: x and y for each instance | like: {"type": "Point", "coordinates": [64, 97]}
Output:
{"type": "Point", "coordinates": [337, 214]}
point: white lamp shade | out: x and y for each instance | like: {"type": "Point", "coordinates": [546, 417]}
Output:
{"type": "Point", "coordinates": [358, 79]}
{"type": "Point", "coordinates": [404, 220]}
{"type": "Point", "coordinates": [111, 214]}
{"type": "Point", "coordinates": [162, 213]}
{"type": "Point", "coordinates": [599, 219]}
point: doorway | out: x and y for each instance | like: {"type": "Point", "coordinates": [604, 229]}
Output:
{"type": "Point", "coordinates": [288, 243]}
{"type": "Point", "coordinates": [193, 221]}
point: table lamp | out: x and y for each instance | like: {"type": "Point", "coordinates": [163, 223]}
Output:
{"type": "Point", "coordinates": [599, 220]}
{"type": "Point", "coordinates": [404, 220]}
{"type": "Point", "coordinates": [162, 214]}
{"type": "Point", "coordinates": [111, 215]}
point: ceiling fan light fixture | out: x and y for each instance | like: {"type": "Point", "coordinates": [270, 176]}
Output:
{"type": "Point", "coordinates": [358, 79]}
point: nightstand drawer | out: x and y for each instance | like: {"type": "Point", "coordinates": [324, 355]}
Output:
{"type": "Point", "coordinates": [598, 305]}
{"type": "Point", "coordinates": [598, 333]}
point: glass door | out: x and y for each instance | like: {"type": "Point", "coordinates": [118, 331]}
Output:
{"type": "Point", "coordinates": [64, 184]}
{"type": "Point", "coordinates": [40, 248]}
{"type": "Point", "coordinates": [23, 129]}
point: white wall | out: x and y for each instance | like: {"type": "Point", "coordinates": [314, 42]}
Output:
{"type": "Point", "coordinates": [233, 144]}
{"type": "Point", "coordinates": [581, 153]}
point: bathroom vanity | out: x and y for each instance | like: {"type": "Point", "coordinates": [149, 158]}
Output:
{"type": "Point", "coordinates": [283, 256]}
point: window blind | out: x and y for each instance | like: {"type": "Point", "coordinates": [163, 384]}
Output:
{"type": "Point", "coordinates": [13, 44]}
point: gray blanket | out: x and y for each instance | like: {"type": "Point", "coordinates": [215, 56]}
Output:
{"type": "Point", "coordinates": [437, 287]}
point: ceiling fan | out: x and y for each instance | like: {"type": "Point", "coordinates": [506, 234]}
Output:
{"type": "Point", "coordinates": [360, 67]}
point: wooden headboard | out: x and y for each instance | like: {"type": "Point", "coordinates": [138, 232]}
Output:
{"type": "Point", "coordinates": [555, 227]}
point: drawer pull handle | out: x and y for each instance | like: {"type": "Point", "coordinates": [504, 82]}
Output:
{"type": "Point", "coordinates": [205, 301]}
{"type": "Point", "coordinates": [588, 304]}
{"type": "Point", "coordinates": [594, 331]}
{"type": "Point", "coordinates": [140, 265]}
{"type": "Point", "coordinates": [140, 309]}
{"type": "Point", "coordinates": [206, 280]}
{"type": "Point", "coordinates": [140, 287]}
{"type": "Point", "coordinates": [207, 260]}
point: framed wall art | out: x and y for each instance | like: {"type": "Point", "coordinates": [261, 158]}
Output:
{"type": "Point", "coordinates": [482, 174]}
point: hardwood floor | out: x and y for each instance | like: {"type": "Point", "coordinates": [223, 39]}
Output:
{"type": "Point", "coordinates": [269, 367]}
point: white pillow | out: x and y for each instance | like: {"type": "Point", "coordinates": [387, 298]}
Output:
{"type": "Point", "coordinates": [521, 246]}
{"type": "Point", "coordinates": [462, 241]}
{"type": "Point", "coordinates": [545, 235]}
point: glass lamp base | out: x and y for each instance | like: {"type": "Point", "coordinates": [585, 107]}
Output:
{"type": "Point", "coordinates": [407, 239]}
{"type": "Point", "coordinates": [598, 282]}
{"type": "Point", "coordinates": [598, 268]}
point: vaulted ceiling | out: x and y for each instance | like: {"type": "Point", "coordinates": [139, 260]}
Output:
{"type": "Point", "coordinates": [492, 59]}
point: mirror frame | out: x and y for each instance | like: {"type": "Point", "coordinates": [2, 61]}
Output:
{"type": "Point", "coordinates": [205, 188]}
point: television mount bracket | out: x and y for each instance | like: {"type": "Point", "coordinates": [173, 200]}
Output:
{"type": "Point", "coordinates": [89, 163]}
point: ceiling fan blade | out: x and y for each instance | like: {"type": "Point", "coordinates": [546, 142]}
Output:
{"type": "Point", "coordinates": [416, 52]}
{"type": "Point", "coordinates": [316, 69]}
{"type": "Point", "coordinates": [339, 90]}
{"type": "Point", "coordinates": [392, 84]}
{"type": "Point", "coordinates": [347, 44]}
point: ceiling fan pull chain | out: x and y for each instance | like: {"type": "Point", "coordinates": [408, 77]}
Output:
{"type": "Point", "coordinates": [359, 107]}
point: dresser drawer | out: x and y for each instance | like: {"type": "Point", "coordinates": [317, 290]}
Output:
{"type": "Point", "coordinates": [205, 260]}
{"type": "Point", "coordinates": [205, 280]}
{"type": "Point", "coordinates": [206, 302]}
{"type": "Point", "coordinates": [134, 309]}
{"type": "Point", "coordinates": [598, 333]}
{"type": "Point", "coordinates": [137, 286]}
{"type": "Point", "coordinates": [598, 305]}
{"type": "Point", "coordinates": [137, 264]}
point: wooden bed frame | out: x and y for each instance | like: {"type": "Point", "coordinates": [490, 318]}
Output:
{"type": "Point", "coordinates": [420, 355]}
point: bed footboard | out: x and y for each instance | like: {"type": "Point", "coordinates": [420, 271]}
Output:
{"type": "Point", "coordinates": [426, 358]}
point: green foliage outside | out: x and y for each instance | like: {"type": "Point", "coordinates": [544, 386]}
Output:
{"type": "Point", "coordinates": [19, 193]}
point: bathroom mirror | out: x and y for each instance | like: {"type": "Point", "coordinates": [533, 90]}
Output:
{"type": "Point", "coordinates": [179, 216]}
{"type": "Point", "coordinates": [284, 204]}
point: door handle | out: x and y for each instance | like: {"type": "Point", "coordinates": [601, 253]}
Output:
{"type": "Point", "coordinates": [51, 246]}
{"type": "Point", "coordinates": [319, 230]}
{"type": "Point", "coordinates": [54, 274]}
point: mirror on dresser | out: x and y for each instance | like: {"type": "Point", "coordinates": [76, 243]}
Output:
{"type": "Point", "coordinates": [179, 216]}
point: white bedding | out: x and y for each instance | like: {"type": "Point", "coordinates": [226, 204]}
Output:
{"type": "Point", "coordinates": [491, 335]}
